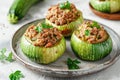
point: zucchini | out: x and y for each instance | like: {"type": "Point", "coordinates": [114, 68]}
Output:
{"type": "Point", "coordinates": [68, 29]}
{"type": "Point", "coordinates": [41, 54]}
{"type": "Point", "coordinates": [107, 6]}
{"type": "Point", "coordinates": [90, 52]}
{"type": "Point", "coordinates": [115, 6]}
{"type": "Point", "coordinates": [19, 8]}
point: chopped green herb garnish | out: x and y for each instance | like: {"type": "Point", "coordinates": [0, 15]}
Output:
{"type": "Point", "coordinates": [3, 57]}
{"type": "Point", "coordinates": [16, 75]}
{"type": "Point", "coordinates": [95, 24]}
{"type": "Point", "coordinates": [73, 64]}
{"type": "Point", "coordinates": [65, 5]}
{"type": "Point", "coordinates": [87, 32]}
{"type": "Point", "coordinates": [44, 25]}
{"type": "Point", "coordinates": [9, 58]}
{"type": "Point", "coordinates": [2, 54]}
{"type": "Point", "coordinates": [38, 29]}
{"type": "Point", "coordinates": [3, 50]}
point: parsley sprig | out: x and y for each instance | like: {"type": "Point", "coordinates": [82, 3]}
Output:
{"type": "Point", "coordinates": [87, 32]}
{"type": "Point", "coordinates": [43, 25]}
{"type": "Point", "coordinates": [73, 64]}
{"type": "Point", "coordinates": [95, 24]}
{"type": "Point", "coordinates": [38, 29]}
{"type": "Point", "coordinates": [65, 5]}
{"type": "Point", "coordinates": [16, 75]}
{"type": "Point", "coordinates": [3, 57]}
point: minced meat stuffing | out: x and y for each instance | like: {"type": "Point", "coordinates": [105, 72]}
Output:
{"type": "Point", "coordinates": [31, 32]}
{"type": "Point", "coordinates": [92, 33]}
{"type": "Point", "coordinates": [60, 16]}
{"type": "Point", "coordinates": [47, 37]}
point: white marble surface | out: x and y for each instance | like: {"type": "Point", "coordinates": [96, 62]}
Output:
{"type": "Point", "coordinates": [36, 12]}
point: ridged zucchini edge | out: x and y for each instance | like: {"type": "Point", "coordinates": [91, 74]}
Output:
{"type": "Point", "coordinates": [90, 52]}
{"type": "Point", "coordinates": [41, 54]}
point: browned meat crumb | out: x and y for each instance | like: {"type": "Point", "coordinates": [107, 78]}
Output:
{"type": "Point", "coordinates": [31, 32]}
{"type": "Point", "coordinates": [47, 37]}
{"type": "Point", "coordinates": [95, 34]}
{"type": "Point", "coordinates": [62, 16]}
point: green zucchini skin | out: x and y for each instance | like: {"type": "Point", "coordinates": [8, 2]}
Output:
{"type": "Point", "coordinates": [108, 6]}
{"type": "Point", "coordinates": [19, 8]}
{"type": "Point", "coordinates": [70, 26]}
{"type": "Point", "coordinates": [100, 5]}
{"type": "Point", "coordinates": [41, 54]}
{"type": "Point", "coordinates": [90, 52]}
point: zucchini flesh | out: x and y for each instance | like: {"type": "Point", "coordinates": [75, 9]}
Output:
{"type": "Point", "coordinates": [18, 9]}
{"type": "Point", "coordinates": [90, 52]}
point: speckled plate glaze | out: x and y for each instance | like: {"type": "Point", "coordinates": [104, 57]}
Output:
{"type": "Point", "coordinates": [59, 68]}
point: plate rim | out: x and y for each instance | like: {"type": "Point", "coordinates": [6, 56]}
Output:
{"type": "Point", "coordinates": [32, 66]}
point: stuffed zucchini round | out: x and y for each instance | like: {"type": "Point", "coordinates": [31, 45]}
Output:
{"type": "Point", "coordinates": [43, 45]}
{"type": "Point", "coordinates": [108, 6]}
{"type": "Point", "coordinates": [65, 17]}
{"type": "Point", "coordinates": [91, 41]}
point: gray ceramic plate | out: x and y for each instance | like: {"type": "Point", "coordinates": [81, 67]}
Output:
{"type": "Point", "coordinates": [59, 68]}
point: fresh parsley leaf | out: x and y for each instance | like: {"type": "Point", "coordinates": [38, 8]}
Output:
{"type": "Point", "coordinates": [3, 50]}
{"type": "Point", "coordinates": [16, 75]}
{"type": "Point", "coordinates": [44, 25]}
{"type": "Point", "coordinates": [76, 61]}
{"type": "Point", "coordinates": [2, 54]}
{"type": "Point", "coordinates": [72, 64]}
{"type": "Point", "coordinates": [87, 32]}
{"type": "Point", "coordinates": [62, 5]}
{"type": "Point", "coordinates": [38, 29]}
{"type": "Point", "coordinates": [3, 57]}
{"type": "Point", "coordinates": [65, 5]}
{"type": "Point", "coordinates": [95, 24]}
{"type": "Point", "coordinates": [9, 58]}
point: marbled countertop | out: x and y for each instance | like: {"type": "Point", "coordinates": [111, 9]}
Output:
{"type": "Point", "coordinates": [36, 12]}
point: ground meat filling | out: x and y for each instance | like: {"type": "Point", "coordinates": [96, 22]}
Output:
{"type": "Point", "coordinates": [31, 32]}
{"type": "Point", "coordinates": [47, 37]}
{"type": "Point", "coordinates": [91, 34]}
{"type": "Point", "coordinates": [60, 16]}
